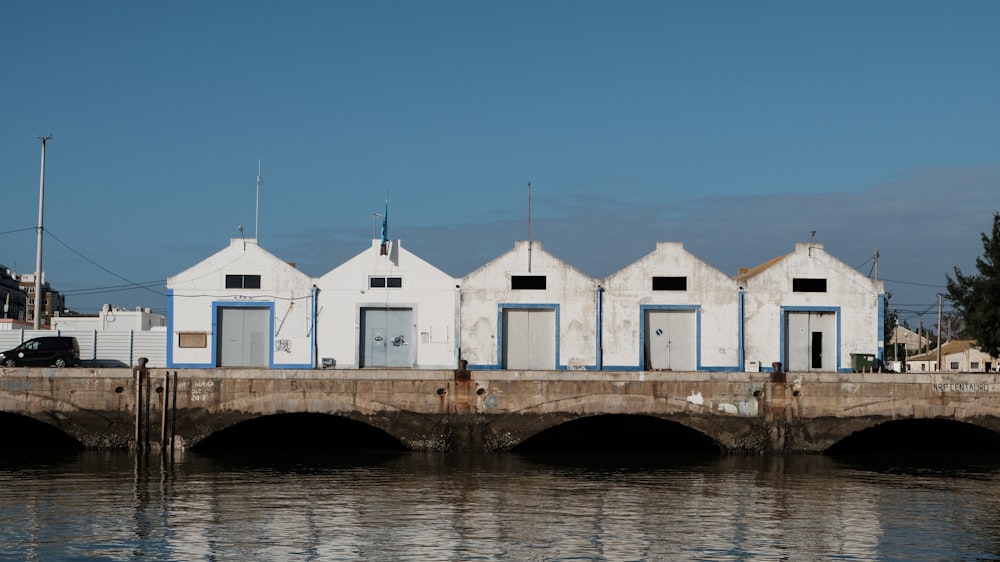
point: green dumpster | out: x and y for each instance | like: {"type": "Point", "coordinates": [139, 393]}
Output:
{"type": "Point", "coordinates": [862, 362]}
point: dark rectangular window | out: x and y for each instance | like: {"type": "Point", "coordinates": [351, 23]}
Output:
{"type": "Point", "coordinates": [531, 282]}
{"type": "Point", "coordinates": [670, 283]}
{"type": "Point", "coordinates": [382, 282]}
{"type": "Point", "coordinates": [809, 285]}
{"type": "Point", "coordinates": [243, 281]}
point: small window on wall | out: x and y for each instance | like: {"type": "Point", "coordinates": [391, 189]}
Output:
{"type": "Point", "coordinates": [809, 285]}
{"type": "Point", "coordinates": [528, 282]}
{"type": "Point", "coordinates": [243, 281]}
{"type": "Point", "coordinates": [670, 283]}
{"type": "Point", "coordinates": [953, 366]}
{"type": "Point", "coordinates": [192, 339]}
{"type": "Point", "coordinates": [385, 282]}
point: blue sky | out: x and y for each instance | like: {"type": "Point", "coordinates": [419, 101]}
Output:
{"type": "Point", "coordinates": [733, 127]}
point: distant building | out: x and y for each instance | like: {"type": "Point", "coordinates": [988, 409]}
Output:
{"type": "Point", "coordinates": [914, 342]}
{"type": "Point", "coordinates": [961, 356]}
{"type": "Point", "coordinates": [13, 299]}
{"type": "Point", "coordinates": [112, 319]}
{"type": "Point", "coordinates": [53, 302]}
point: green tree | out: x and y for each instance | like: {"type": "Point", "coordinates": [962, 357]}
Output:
{"type": "Point", "coordinates": [976, 298]}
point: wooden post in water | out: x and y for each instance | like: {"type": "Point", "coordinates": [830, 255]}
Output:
{"type": "Point", "coordinates": [164, 414]}
{"type": "Point", "coordinates": [141, 413]}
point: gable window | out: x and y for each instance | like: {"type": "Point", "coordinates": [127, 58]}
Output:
{"type": "Point", "coordinates": [385, 282]}
{"type": "Point", "coordinates": [670, 283]}
{"type": "Point", "coordinates": [805, 285]}
{"type": "Point", "coordinates": [243, 281]}
{"type": "Point", "coordinates": [528, 282]}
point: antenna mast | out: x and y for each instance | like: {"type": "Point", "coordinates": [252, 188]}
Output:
{"type": "Point", "coordinates": [256, 213]}
{"type": "Point", "coordinates": [529, 227]}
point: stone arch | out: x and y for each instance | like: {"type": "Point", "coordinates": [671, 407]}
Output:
{"type": "Point", "coordinates": [413, 430]}
{"type": "Point", "coordinates": [506, 431]}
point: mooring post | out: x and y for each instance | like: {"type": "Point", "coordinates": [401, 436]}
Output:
{"type": "Point", "coordinates": [141, 374]}
{"type": "Point", "coordinates": [165, 405]}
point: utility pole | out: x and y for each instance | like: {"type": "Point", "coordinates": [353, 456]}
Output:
{"type": "Point", "coordinates": [41, 228]}
{"type": "Point", "coordinates": [940, 300]}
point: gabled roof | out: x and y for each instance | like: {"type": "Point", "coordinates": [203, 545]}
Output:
{"type": "Point", "coordinates": [226, 259]}
{"type": "Point", "coordinates": [949, 348]}
{"type": "Point", "coordinates": [524, 253]}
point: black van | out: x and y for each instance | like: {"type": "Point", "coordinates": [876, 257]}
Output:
{"type": "Point", "coordinates": [60, 351]}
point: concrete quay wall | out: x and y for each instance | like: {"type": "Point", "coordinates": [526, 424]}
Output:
{"type": "Point", "coordinates": [494, 410]}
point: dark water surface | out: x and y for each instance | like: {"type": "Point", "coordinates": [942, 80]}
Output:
{"type": "Point", "coordinates": [422, 506]}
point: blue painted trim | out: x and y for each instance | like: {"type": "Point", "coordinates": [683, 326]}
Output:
{"type": "Point", "coordinates": [683, 307]}
{"type": "Point", "coordinates": [269, 305]}
{"type": "Point", "coordinates": [783, 320]}
{"type": "Point", "coordinates": [599, 355]}
{"type": "Point", "coordinates": [740, 322]}
{"type": "Point", "coordinates": [501, 307]}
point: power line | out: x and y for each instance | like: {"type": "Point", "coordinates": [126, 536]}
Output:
{"type": "Point", "coordinates": [99, 266]}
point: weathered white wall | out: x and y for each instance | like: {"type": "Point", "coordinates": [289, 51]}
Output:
{"type": "Point", "coordinates": [431, 293]}
{"type": "Point", "coordinates": [488, 287]}
{"type": "Point", "coordinates": [768, 290]}
{"type": "Point", "coordinates": [195, 293]}
{"type": "Point", "coordinates": [713, 294]}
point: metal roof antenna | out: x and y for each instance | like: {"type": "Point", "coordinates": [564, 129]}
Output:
{"type": "Point", "coordinates": [256, 214]}
{"type": "Point", "coordinates": [812, 235]}
{"type": "Point", "coordinates": [529, 227]}
{"type": "Point", "coordinates": [240, 228]}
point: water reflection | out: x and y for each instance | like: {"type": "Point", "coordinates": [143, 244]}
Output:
{"type": "Point", "coordinates": [399, 505]}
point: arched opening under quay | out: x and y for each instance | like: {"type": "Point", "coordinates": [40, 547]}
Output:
{"type": "Point", "coordinates": [937, 441]}
{"type": "Point", "coordinates": [27, 438]}
{"type": "Point", "coordinates": [299, 439]}
{"type": "Point", "coordinates": [620, 441]}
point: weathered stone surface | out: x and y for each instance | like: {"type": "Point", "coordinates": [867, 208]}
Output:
{"type": "Point", "coordinates": [496, 410]}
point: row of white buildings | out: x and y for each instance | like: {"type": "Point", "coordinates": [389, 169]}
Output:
{"type": "Point", "coordinates": [526, 309]}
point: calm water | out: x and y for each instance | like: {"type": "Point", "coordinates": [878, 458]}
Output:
{"type": "Point", "coordinates": [418, 506]}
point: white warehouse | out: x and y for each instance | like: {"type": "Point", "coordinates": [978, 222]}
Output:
{"type": "Point", "coordinates": [241, 307]}
{"type": "Point", "coordinates": [809, 311]}
{"type": "Point", "coordinates": [529, 310]}
{"type": "Point", "coordinates": [388, 309]}
{"type": "Point", "coordinates": [670, 311]}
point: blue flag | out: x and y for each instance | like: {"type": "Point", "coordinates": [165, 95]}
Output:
{"type": "Point", "coordinates": [385, 231]}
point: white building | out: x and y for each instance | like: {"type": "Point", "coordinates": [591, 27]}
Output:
{"type": "Point", "coordinates": [529, 310]}
{"type": "Point", "coordinates": [387, 310]}
{"type": "Point", "coordinates": [960, 356]}
{"type": "Point", "coordinates": [112, 319]}
{"type": "Point", "coordinates": [670, 311]}
{"type": "Point", "coordinates": [810, 312]}
{"type": "Point", "coordinates": [241, 307]}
